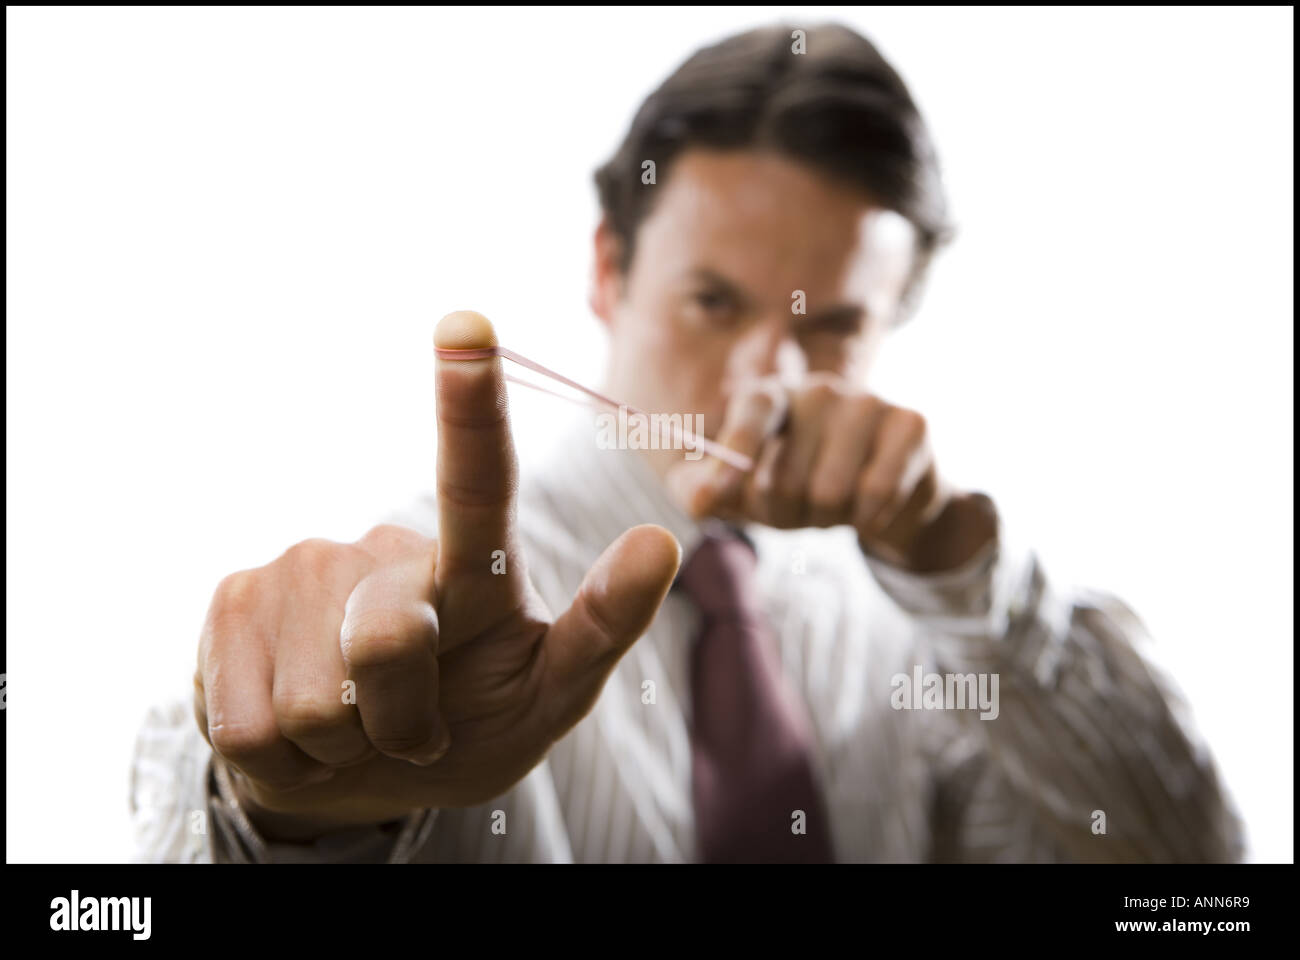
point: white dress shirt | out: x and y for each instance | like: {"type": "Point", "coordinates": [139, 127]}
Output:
{"type": "Point", "coordinates": [1091, 755]}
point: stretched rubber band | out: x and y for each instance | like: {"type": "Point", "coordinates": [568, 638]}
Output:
{"type": "Point", "coordinates": [711, 447]}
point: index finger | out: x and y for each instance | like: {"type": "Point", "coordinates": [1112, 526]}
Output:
{"type": "Point", "coordinates": [478, 472]}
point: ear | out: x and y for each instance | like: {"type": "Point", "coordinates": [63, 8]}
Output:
{"type": "Point", "coordinates": [606, 286]}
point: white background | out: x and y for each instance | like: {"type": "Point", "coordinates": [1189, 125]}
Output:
{"type": "Point", "coordinates": [231, 231]}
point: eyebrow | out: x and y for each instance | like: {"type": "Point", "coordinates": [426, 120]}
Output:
{"type": "Point", "coordinates": [845, 315]}
{"type": "Point", "coordinates": [706, 275]}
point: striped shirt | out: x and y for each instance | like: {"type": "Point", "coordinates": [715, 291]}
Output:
{"type": "Point", "coordinates": [1084, 752]}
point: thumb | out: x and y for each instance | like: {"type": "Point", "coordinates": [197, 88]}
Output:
{"type": "Point", "coordinates": [755, 412]}
{"type": "Point", "coordinates": [615, 605]}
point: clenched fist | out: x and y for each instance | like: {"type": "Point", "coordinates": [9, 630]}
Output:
{"type": "Point", "coordinates": [352, 683]}
{"type": "Point", "coordinates": [826, 454]}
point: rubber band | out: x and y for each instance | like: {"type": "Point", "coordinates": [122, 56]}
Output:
{"type": "Point", "coordinates": [711, 447]}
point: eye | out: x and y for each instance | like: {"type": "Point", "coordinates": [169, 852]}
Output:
{"type": "Point", "coordinates": [714, 305]}
{"type": "Point", "coordinates": [714, 301]}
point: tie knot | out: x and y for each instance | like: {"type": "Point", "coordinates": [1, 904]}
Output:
{"type": "Point", "coordinates": [719, 575]}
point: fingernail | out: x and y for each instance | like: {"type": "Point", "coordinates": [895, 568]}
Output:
{"type": "Point", "coordinates": [316, 777]}
{"type": "Point", "coordinates": [362, 758]}
{"type": "Point", "coordinates": [438, 752]}
{"type": "Point", "coordinates": [444, 743]}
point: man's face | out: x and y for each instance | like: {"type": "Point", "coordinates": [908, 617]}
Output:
{"type": "Point", "coordinates": [711, 296]}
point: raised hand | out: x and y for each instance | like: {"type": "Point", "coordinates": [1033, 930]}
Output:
{"type": "Point", "coordinates": [826, 454]}
{"type": "Point", "coordinates": [353, 683]}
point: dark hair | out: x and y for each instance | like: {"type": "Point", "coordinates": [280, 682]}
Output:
{"type": "Point", "coordinates": [839, 106]}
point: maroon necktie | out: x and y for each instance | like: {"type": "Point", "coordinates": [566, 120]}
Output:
{"type": "Point", "coordinates": [751, 738]}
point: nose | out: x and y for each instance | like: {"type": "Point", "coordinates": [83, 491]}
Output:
{"type": "Point", "coordinates": [769, 350]}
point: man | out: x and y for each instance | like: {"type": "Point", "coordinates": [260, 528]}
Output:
{"type": "Point", "coordinates": [638, 655]}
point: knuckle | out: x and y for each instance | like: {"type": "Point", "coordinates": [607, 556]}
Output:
{"type": "Point", "coordinates": [298, 714]}
{"type": "Point", "coordinates": [821, 394]}
{"type": "Point", "coordinates": [241, 741]}
{"type": "Point", "coordinates": [388, 538]}
{"type": "Point", "coordinates": [877, 488]}
{"type": "Point", "coordinates": [827, 496]}
{"type": "Point", "coordinates": [316, 555]}
{"type": "Point", "coordinates": [913, 424]}
{"type": "Point", "coordinates": [234, 606]}
{"type": "Point", "coordinates": [496, 491]}
{"type": "Point", "coordinates": [237, 591]}
{"type": "Point", "coordinates": [385, 637]}
{"type": "Point", "coordinates": [862, 406]}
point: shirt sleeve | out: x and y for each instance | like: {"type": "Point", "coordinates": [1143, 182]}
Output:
{"type": "Point", "coordinates": [1088, 752]}
{"type": "Point", "coordinates": [168, 798]}
{"type": "Point", "coordinates": [184, 810]}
